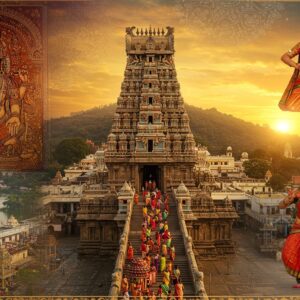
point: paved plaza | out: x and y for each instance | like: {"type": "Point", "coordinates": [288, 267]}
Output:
{"type": "Point", "coordinates": [249, 273]}
{"type": "Point", "coordinates": [76, 276]}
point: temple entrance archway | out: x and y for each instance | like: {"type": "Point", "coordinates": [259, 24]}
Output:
{"type": "Point", "coordinates": [153, 173]}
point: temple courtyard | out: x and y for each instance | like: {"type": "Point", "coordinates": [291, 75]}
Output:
{"type": "Point", "coordinates": [78, 276]}
{"type": "Point", "coordinates": [249, 273]}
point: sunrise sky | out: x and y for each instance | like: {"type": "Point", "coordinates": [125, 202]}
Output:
{"type": "Point", "coordinates": [227, 55]}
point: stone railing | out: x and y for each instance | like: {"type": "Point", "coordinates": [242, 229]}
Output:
{"type": "Point", "coordinates": [117, 275]}
{"type": "Point", "coordinates": [198, 277]}
{"type": "Point", "coordinates": [267, 219]}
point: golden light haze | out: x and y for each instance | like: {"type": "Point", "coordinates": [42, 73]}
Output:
{"type": "Point", "coordinates": [244, 78]}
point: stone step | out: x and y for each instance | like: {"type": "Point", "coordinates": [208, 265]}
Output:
{"type": "Point", "coordinates": [180, 259]}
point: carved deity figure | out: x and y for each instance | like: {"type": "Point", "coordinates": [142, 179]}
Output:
{"type": "Point", "coordinates": [133, 60]}
{"type": "Point", "coordinates": [12, 91]}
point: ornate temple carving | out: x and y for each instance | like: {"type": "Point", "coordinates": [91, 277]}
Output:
{"type": "Point", "coordinates": [153, 120]}
{"type": "Point", "coordinates": [209, 222]}
{"type": "Point", "coordinates": [22, 90]}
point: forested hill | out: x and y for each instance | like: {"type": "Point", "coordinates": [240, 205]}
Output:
{"type": "Point", "coordinates": [211, 128]}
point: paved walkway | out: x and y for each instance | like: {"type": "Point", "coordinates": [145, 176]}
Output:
{"type": "Point", "coordinates": [249, 273]}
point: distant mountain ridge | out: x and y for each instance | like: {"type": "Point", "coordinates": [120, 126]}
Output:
{"type": "Point", "coordinates": [210, 127]}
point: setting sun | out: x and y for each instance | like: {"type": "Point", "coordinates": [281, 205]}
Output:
{"type": "Point", "coordinates": [283, 126]}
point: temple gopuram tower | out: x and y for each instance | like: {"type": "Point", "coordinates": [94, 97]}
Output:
{"type": "Point", "coordinates": [150, 137]}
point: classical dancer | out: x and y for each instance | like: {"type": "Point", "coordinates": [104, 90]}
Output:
{"type": "Point", "coordinates": [290, 100]}
{"type": "Point", "coordinates": [291, 248]}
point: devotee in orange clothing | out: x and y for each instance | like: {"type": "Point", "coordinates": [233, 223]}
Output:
{"type": "Point", "coordinates": [153, 274]}
{"type": "Point", "coordinates": [172, 253]}
{"type": "Point", "coordinates": [145, 192]}
{"type": "Point", "coordinates": [164, 250]}
{"type": "Point", "coordinates": [157, 236]}
{"type": "Point", "coordinates": [150, 244]}
{"type": "Point", "coordinates": [136, 199]}
{"type": "Point", "coordinates": [124, 284]}
{"type": "Point", "coordinates": [179, 290]}
{"type": "Point", "coordinates": [133, 289]}
{"type": "Point", "coordinates": [143, 236]}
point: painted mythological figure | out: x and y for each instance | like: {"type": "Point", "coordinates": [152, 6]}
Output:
{"type": "Point", "coordinates": [12, 92]}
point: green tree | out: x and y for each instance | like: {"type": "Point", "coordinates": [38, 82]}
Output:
{"type": "Point", "coordinates": [69, 151]}
{"type": "Point", "coordinates": [256, 168]}
{"type": "Point", "coordinates": [23, 204]}
{"type": "Point", "coordinates": [277, 182]}
{"type": "Point", "coordinates": [287, 167]}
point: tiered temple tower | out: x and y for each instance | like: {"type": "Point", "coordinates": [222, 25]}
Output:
{"type": "Point", "coordinates": [150, 136]}
{"type": "Point", "coordinates": [151, 139]}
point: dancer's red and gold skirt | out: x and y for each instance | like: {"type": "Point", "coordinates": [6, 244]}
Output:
{"type": "Point", "coordinates": [291, 253]}
{"type": "Point", "coordinates": [290, 100]}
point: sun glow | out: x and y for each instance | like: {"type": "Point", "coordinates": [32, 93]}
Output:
{"type": "Point", "coordinates": [283, 126]}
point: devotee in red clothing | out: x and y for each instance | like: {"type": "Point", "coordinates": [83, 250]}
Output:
{"type": "Point", "coordinates": [130, 252]}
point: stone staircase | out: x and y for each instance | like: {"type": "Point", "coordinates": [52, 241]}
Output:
{"type": "Point", "coordinates": [181, 260]}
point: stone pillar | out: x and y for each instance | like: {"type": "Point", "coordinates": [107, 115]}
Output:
{"type": "Point", "coordinates": [137, 178]}
{"type": "Point", "coordinates": [125, 195]}
{"type": "Point", "coordinates": [183, 196]}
